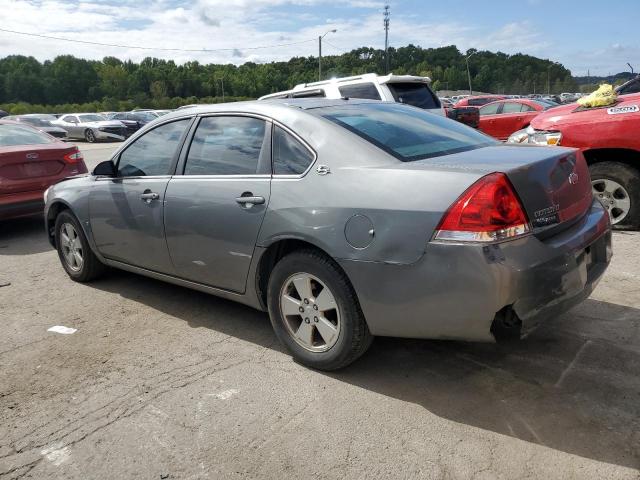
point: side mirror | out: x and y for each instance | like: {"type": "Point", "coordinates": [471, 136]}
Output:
{"type": "Point", "coordinates": [105, 169]}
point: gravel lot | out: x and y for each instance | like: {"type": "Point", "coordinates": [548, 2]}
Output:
{"type": "Point", "coordinates": [164, 382]}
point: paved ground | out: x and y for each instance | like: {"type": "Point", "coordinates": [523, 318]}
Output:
{"type": "Point", "coordinates": [94, 153]}
{"type": "Point", "coordinates": [163, 382]}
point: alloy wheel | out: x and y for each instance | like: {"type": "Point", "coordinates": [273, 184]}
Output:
{"type": "Point", "coordinates": [613, 196]}
{"type": "Point", "coordinates": [71, 244]}
{"type": "Point", "coordinates": [310, 312]}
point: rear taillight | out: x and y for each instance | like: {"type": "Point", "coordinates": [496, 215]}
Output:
{"type": "Point", "coordinates": [73, 157]}
{"type": "Point", "coordinates": [488, 211]}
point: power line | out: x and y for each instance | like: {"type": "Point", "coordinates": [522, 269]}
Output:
{"type": "Point", "coordinates": [337, 48]}
{"type": "Point", "coordinates": [154, 48]}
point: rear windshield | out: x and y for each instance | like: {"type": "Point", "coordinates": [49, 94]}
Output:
{"type": "Point", "coordinates": [38, 122]}
{"type": "Point", "coordinates": [406, 133]}
{"type": "Point", "coordinates": [11, 135]}
{"type": "Point", "coordinates": [415, 94]}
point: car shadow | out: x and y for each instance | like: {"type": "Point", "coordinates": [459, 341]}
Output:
{"type": "Point", "coordinates": [23, 236]}
{"type": "Point", "coordinates": [572, 385]}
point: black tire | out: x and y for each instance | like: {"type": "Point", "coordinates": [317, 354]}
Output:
{"type": "Point", "coordinates": [629, 178]}
{"type": "Point", "coordinates": [89, 136]}
{"type": "Point", "coordinates": [354, 337]}
{"type": "Point", "coordinates": [90, 268]}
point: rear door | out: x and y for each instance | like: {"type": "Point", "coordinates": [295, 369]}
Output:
{"type": "Point", "coordinates": [126, 212]}
{"type": "Point", "coordinates": [214, 210]}
{"type": "Point", "coordinates": [510, 120]}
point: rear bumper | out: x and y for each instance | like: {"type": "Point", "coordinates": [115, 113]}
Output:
{"type": "Point", "coordinates": [455, 291]}
{"type": "Point", "coordinates": [21, 204]}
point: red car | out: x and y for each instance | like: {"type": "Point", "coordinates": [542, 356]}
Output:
{"type": "Point", "coordinates": [500, 119]}
{"type": "Point", "coordinates": [30, 162]}
{"type": "Point", "coordinates": [478, 100]}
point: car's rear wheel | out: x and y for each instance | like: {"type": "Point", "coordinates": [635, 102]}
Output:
{"type": "Point", "coordinates": [76, 256]}
{"type": "Point", "coordinates": [89, 136]}
{"type": "Point", "coordinates": [617, 186]}
{"type": "Point", "coordinates": [315, 313]}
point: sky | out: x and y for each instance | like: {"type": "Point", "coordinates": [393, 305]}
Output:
{"type": "Point", "coordinates": [583, 35]}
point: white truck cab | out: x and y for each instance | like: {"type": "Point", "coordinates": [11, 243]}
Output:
{"type": "Point", "coordinates": [407, 89]}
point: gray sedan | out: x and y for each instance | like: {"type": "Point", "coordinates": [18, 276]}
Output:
{"type": "Point", "coordinates": [344, 220]}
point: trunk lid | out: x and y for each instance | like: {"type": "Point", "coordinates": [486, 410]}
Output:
{"type": "Point", "coordinates": [553, 183]}
{"type": "Point", "coordinates": [25, 168]}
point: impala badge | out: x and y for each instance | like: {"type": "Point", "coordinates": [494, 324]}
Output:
{"type": "Point", "coordinates": [32, 156]}
{"type": "Point", "coordinates": [573, 178]}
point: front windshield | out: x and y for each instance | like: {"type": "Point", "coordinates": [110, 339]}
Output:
{"type": "Point", "coordinates": [91, 118]}
{"type": "Point", "coordinates": [405, 132]}
{"type": "Point", "coordinates": [145, 116]}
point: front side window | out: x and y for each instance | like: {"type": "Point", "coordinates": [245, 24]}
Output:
{"type": "Point", "coordinates": [414, 94]}
{"type": "Point", "coordinates": [70, 119]}
{"type": "Point", "coordinates": [360, 90]}
{"type": "Point", "coordinates": [490, 109]}
{"type": "Point", "coordinates": [226, 146]}
{"type": "Point", "coordinates": [153, 152]}
{"type": "Point", "coordinates": [290, 157]}
{"type": "Point", "coordinates": [404, 132]}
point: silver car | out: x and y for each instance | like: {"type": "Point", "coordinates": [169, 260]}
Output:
{"type": "Point", "coordinates": [344, 219]}
{"type": "Point", "coordinates": [91, 127]}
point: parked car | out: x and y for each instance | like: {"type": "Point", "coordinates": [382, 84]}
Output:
{"type": "Point", "coordinates": [40, 123]}
{"type": "Point", "coordinates": [3, 114]}
{"type": "Point", "coordinates": [478, 100]}
{"type": "Point", "coordinates": [91, 127]}
{"type": "Point", "coordinates": [500, 119]}
{"type": "Point", "coordinates": [134, 120]}
{"type": "Point", "coordinates": [631, 86]}
{"type": "Point", "coordinates": [345, 219]}
{"type": "Point", "coordinates": [408, 89]}
{"type": "Point", "coordinates": [610, 143]}
{"type": "Point", "coordinates": [30, 162]}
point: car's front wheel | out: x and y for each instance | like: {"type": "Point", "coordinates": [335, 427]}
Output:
{"type": "Point", "coordinates": [89, 136]}
{"type": "Point", "coordinates": [76, 256]}
{"type": "Point", "coordinates": [617, 186]}
{"type": "Point", "coordinates": [315, 313]}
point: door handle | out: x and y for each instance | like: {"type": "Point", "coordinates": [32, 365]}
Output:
{"type": "Point", "coordinates": [249, 200]}
{"type": "Point", "coordinates": [149, 196]}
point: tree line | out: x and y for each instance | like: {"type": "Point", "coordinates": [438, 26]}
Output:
{"type": "Point", "coordinates": [68, 83]}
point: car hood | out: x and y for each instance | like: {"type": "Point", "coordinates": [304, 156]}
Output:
{"type": "Point", "coordinates": [51, 128]}
{"type": "Point", "coordinates": [557, 117]}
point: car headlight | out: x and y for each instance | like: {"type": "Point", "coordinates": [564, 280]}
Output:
{"type": "Point", "coordinates": [521, 136]}
{"type": "Point", "coordinates": [542, 137]}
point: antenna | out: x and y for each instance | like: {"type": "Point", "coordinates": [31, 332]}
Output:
{"type": "Point", "coordinates": [386, 15]}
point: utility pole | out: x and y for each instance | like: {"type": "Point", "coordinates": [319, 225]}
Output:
{"type": "Point", "coordinates": [469, 72]}
{"type": "Point", "coordinates": [549, 80]}
{"type": "Point", "coordinates": [320, 37]}
{"type": "Point", "coordinates": [386, 15]}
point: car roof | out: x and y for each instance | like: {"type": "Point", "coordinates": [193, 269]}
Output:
{"type": "Point", "coordinates": [266, 106]}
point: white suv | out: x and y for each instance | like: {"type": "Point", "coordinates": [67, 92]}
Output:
{"type": "Point", "coordinates": [407, 89]}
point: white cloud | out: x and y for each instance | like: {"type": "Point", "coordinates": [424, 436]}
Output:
{"type": "Point", "coordinates": [238, 25]}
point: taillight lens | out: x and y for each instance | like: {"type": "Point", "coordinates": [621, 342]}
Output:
{"type": "Point", "coordinates": [73, 157]}
{"type": "Point", "coordinates": [488, 211]}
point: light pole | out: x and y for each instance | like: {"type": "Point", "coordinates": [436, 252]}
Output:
{"type": "Point", "coordinates": [469, 72]}
{"type": "Point", "coordinates": [320, 52]}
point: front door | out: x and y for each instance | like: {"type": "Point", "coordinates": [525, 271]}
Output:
{"type": "Point", "coordinates": [126, 212]}
{"type": "Point", "coordinates": [214, 210]}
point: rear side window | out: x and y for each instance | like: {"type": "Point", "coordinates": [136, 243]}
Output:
{"type": "Point", "coordinates": [319, 92]}
{"type": "Point", "coordinates": [404, 132]}
{"type": "Point", "coordinates": [226, 146]}
{"type": "Point", "coordinates": [415, 94]}
{"type": "Point", "coordinates": [290, 157]}
{"type": "Point", "coordinates": [11, 135]}
{"type": "Point", "coordinates": [360, 90]}
{"type": "Point", "coordinates": [153, 152]}
{"type": "Point", "coordinates": [511, 107]}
